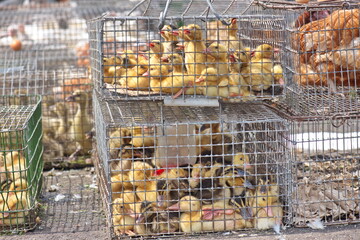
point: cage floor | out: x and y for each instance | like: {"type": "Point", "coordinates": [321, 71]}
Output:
{"type": "Point", "coordinates": [70, 206]}
{"type": "Point", "coordinates": [82, 218]}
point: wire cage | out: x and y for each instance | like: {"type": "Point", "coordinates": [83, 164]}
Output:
{"type": "Point", "coordinates": [66, 111]}
{"type": "Point", "coordinates": [157, 161]}
{"type": "Point", "coordinates": [322, 44]}
{"type": "Point", "coordinates": [21, 161]}
{"type": "Point", "coordinates": [326, 172]}
{"type": "Point", "coordinates": [182, 55]}
{"type": "Point", "coordinates": [49, 26]}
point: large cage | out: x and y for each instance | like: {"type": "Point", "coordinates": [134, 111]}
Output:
{"type": "Point", "coordinates": [185, 55]}
{"type": "Point", "coordinates": [20, 161]}
{"type": "Point", "coordinates": [321, 55]}
{"type": "Point", "coordinates": [232, 162]}
{"type": "Point", "coordinates": [326, 172]}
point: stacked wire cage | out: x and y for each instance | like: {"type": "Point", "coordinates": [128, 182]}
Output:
{"type": "Point", "coordinates": [188, 55]}
{"type": "Point", "coordinates": [21, 162]}
{"type": "Point", "coordinates": [321, 56]}
{"type": "Point", "coordinates": [322, 104]}
{"type": "Point", "coordinates": [176, 155]}
{"type": "Point", "coordinates": [53, 62]}
{"type": "Point", "coordinates": [189, 170]}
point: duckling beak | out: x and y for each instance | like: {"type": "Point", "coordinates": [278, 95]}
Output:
{"type": "Point", "coordinates": [70, 98]}
{"type": "Point", "coordinates": [186, 31]}
{"type": "Point", "coordinates": [133, 214]}
{"type": "Point", "coordinates": [151, 45]}
{"type": "Point", "coordinates": [146, 74]}
{"type": "Point", "coordinates": [233, 21]}
{"type": "Point", "coordinates": [207, 51]}
{"type": "Point", "coordinates": [164, 59]}
{"type": "Point", "coordinates": [247, 166]}
{"type": "Point", "coordinates": [252, 54]}
{"type": "Point", "coordinates": [276, 50]}
{"type": "Point", "coordinates": [269, 211]}
{"type": "Point", "coordinates": [180, 47]}
{"type": "Point", "coordinates": [175, 207]}
{"type": "Point", "coordinates": [232, 58]}
{"type": "Point", "coordinates": [176, 33]}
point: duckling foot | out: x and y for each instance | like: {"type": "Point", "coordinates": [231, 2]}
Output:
{"type": "Point", "coordinates": [178, 94]}
{"type": "Point", "coordinates": [183, 91]}
{"type": "Point", "coordinates": [130, 233]}
{"type": "Point", "coordinates": [73, 156]}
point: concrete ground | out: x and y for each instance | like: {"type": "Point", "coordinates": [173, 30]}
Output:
{"type": "Point", "coordinates": [72, 210]}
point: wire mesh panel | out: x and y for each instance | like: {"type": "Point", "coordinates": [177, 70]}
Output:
{"type": "Point", "coordinates": [42, 28]}
{"type": "Point", "coordinates": [322, 47]}
{"type": "Point", "coordinates": [326, 171]}
{"type": "Point", "coordinates": [67, 119]}
{"type": "Point", "coordinates": [190, 56]}
{"type": "Point", "coordinates": [172, 170]}
{"type": "Point", "coordinates": [48, 26]}
{"type": "Point", "coordinates": [20, 161]}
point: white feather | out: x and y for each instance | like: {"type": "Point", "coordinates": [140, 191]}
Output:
{"type": "Point", "coordinates": [316, 224]}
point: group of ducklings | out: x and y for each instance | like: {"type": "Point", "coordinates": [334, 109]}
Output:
{"type": "Point", "coordinates": [14, 199]}
{"type": "Point", "coordinates": [223, 68]}
{"type": "Point", "coordinates": [66, 127]}
{"type": "Point", "coordinates": [220, 191]}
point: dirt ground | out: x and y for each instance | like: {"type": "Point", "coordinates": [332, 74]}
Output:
{"type": "Point", "coordinates": [72, 210]}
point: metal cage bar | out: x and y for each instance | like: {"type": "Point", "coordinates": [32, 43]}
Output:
{"type": "Point", "coordinates": [142, 145]}
{"type": "Point", "coordinates": [124, 68]}
{"type": "Point", "coordinates": [326, 155]}
{"type": "Point", "coordinates": [21, 161]}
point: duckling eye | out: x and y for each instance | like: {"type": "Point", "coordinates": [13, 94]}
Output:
{"type": "Point", "coordinates": [216, 47]}
{"type": "Point", "coordinates": [264, 199]}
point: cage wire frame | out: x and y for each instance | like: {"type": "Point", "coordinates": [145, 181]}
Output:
{"type": "Point", "coordinates": [116, 41]}
{"type": "Point", "coordinates": [49, 26]}
{"type": "Point", "coordinates": [326, 183]}
{"type": "Point", "coordinates": [21, 161]}
{"type": "Point", "coordinates": [254, 130]}
{"type": "Point", "coordinates": [320, 63]}
{"type": "Point", "coordinates": [66, 111]}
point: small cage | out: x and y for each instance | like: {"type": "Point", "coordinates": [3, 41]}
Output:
{"type": "Point", "coordinates": [156, 161]}
{"type": "Point", "coordinates": [21, 161]}
{"type": "Point", "coordinates": [66, 109]}
{"type": "Point", "coordinates": [326, 171]}
{"type": "Point", "coordinates": [321, 55]}
{"type": "Point", "coordinates": [144, 57]}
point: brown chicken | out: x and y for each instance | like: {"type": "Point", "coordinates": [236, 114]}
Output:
{"type": "Point", "coordinates": [309, 16]}
{"type": "Point", "coordinates": [338, 29]}
{"type": "Point", "coordinates": [337, 33]}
